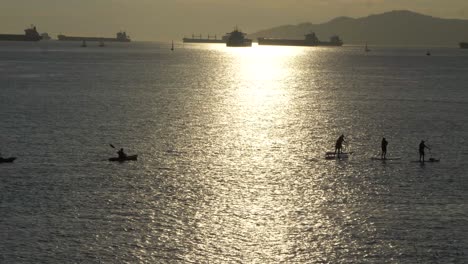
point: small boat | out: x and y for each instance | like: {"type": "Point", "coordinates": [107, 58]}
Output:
{"type": "Point", "coordinates": [83, 44]}
{"type": "Point", "coordinates": [7, 160]}
{"type": "Point", "coordinates": [101, 44]}
{"type": "Point", "coordinates": [132, 157]}
{"type": "Point", "coordinates": [428, 53]}
{"type": "Point", "coordinates": [366, 49]}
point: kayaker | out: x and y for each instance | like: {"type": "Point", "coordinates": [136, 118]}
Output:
{"type": "Point", "coordinates": [121, 154]}
{"type": "Point", "coordinates": [384, 148]}
{"type": "Point", "coordinates": [422, 146]}
{"type": "Point", "coordinates": [339, 144]}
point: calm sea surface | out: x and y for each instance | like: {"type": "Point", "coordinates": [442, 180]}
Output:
{"type": "Point", "coordinates": [231, 145]}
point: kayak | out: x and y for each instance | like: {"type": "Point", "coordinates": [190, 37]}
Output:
{"type": "Point", "coordinates": [11, 159]}
{"type": "Point", "coordinates": [132, 157]}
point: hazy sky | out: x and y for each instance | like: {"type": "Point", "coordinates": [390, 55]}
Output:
{"type": "Point", "coordinates": [172, 19]}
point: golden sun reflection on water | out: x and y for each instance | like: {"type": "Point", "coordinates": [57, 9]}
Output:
{"type": "Point", "coordinates": [252, 217]}
{"type": "Point", "coordinates": [262, 77]}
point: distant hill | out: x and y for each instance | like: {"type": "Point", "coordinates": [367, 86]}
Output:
{"type": "Point", "coordinates": [391, 28]}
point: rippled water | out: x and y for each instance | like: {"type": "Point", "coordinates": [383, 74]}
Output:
{"type": "Point", "coordinates": [231, 145]}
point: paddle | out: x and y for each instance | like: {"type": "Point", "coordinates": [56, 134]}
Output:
{"type": "Point", "coordinates": [112, 146]}
{"type": "Point", "coordinates": [430, 153]}
{"type": "Point", "coordinates": [347, 147]}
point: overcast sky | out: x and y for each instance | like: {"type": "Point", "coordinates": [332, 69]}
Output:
{"type": "Point", "coordinates": [172, 19]}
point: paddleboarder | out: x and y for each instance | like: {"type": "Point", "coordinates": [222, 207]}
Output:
{"type": "Point", "coordinates": [422, 146]}
{"type": "Point", "coordinates": [339, 144]}
{"type": "Point", "coordinates": [384, 148]}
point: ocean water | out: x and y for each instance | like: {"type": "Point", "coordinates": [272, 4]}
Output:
{"type": "Point", "coordinates": [231, 145]}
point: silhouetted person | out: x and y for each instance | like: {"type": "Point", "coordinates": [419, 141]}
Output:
{"type": "Point", "coordinates": [384, 148]}
{"type": "Point", "coordinates": [422, 146]}
{"type": "Point", "coordinates": [339, 144]}
{"type": "Point", "coordinates": [121, 154]}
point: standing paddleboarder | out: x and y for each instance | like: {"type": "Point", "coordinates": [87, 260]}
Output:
{"type": "Point", "coordinates": [422, 146]}
{"type": "Point", "coordinates": [339, 144]}
{"type": "Point", "coordinates": [384, 148]}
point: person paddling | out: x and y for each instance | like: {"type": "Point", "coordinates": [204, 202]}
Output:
{"type": "Point", "coordinates": [422, 146]}
{"type": "Point", "coordinates": [384, 148]}
{"type": "Point", "coordinates": [339, 144]}
{"type": "Point", "coordinates": [121, 154]}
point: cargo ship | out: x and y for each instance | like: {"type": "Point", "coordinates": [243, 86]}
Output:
{"type": "Point", "coordinates": [310, 40]}
{"type": "Point", "coordinates": [120, 37]}
{"type": "Point", "coordinates": [237, 39]}
{"type": "Point", "coordinates": [463, 45]}
{"type": "Point", "coordinates": [210, 39]}
{"type": "Point", "coordinates": [45, 36]}
{"type": "Point", "coordinates": [30, 34]}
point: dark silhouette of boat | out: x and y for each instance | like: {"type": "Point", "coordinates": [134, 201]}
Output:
{"type": "Point", "coordinates": [45, 36]}
{"type": "Point", "coordinates": [30, 34]}
{"type": "Point", "coordinates": [310, 40]}
{"type": "Point", "coordinates": [83, 44]}
{"type": "Point", "coordinates": [366, 49]}
{"type": "Point", "coordinates": [237, 39]}
{"type": "Point", "coordinates": [101, 44]}
{"type": "Point", "coordinates": [127, 158]}
{"type": "Point", "coordinates": [464, 45]}
{"type": "Point", "coordinates": [7, 160]}
{"type": "Point", "coordinates": [120, 37]}
{"type": "Point", "coordinates": [210, 39]}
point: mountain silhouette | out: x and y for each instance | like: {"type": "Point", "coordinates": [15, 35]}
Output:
{"type": "Point", "coordinates": [399, 28]}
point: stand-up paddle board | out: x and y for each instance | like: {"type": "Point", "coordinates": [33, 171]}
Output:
{"type": "Point", "coordinates": [379, 158]}
{"type": "Point", "coordinates": [428, 160]}
{"type": "Point", "coordinates": [333, 155]}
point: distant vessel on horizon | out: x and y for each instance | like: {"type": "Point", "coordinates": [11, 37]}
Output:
{"type": "Point", "coordinates": [464, 45]}
{"type": "Point", "coordinates": [237, 39]}
{"type": "Point", "coordinates": [120, 37]}
{"type": "Point", "coordinates": [210, 39]}
{"type": "Point", "coordinates": [310, 40]}
{"type": "Point", "coordinates": [366, 49]}
{"type": "Point", "coordinates": [30, 34]}
{"type": "Point", "coordinates": [45, 36]}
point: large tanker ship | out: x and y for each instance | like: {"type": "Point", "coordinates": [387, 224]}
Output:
{"type": "Point", "coordinates": [310, 40]}
{"type": "Point", "coordinates": [120, 37]}
{"type": "Point", "coordinates": [237, 39]}
{"type": "Point", "coordinates": [30, 34]}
